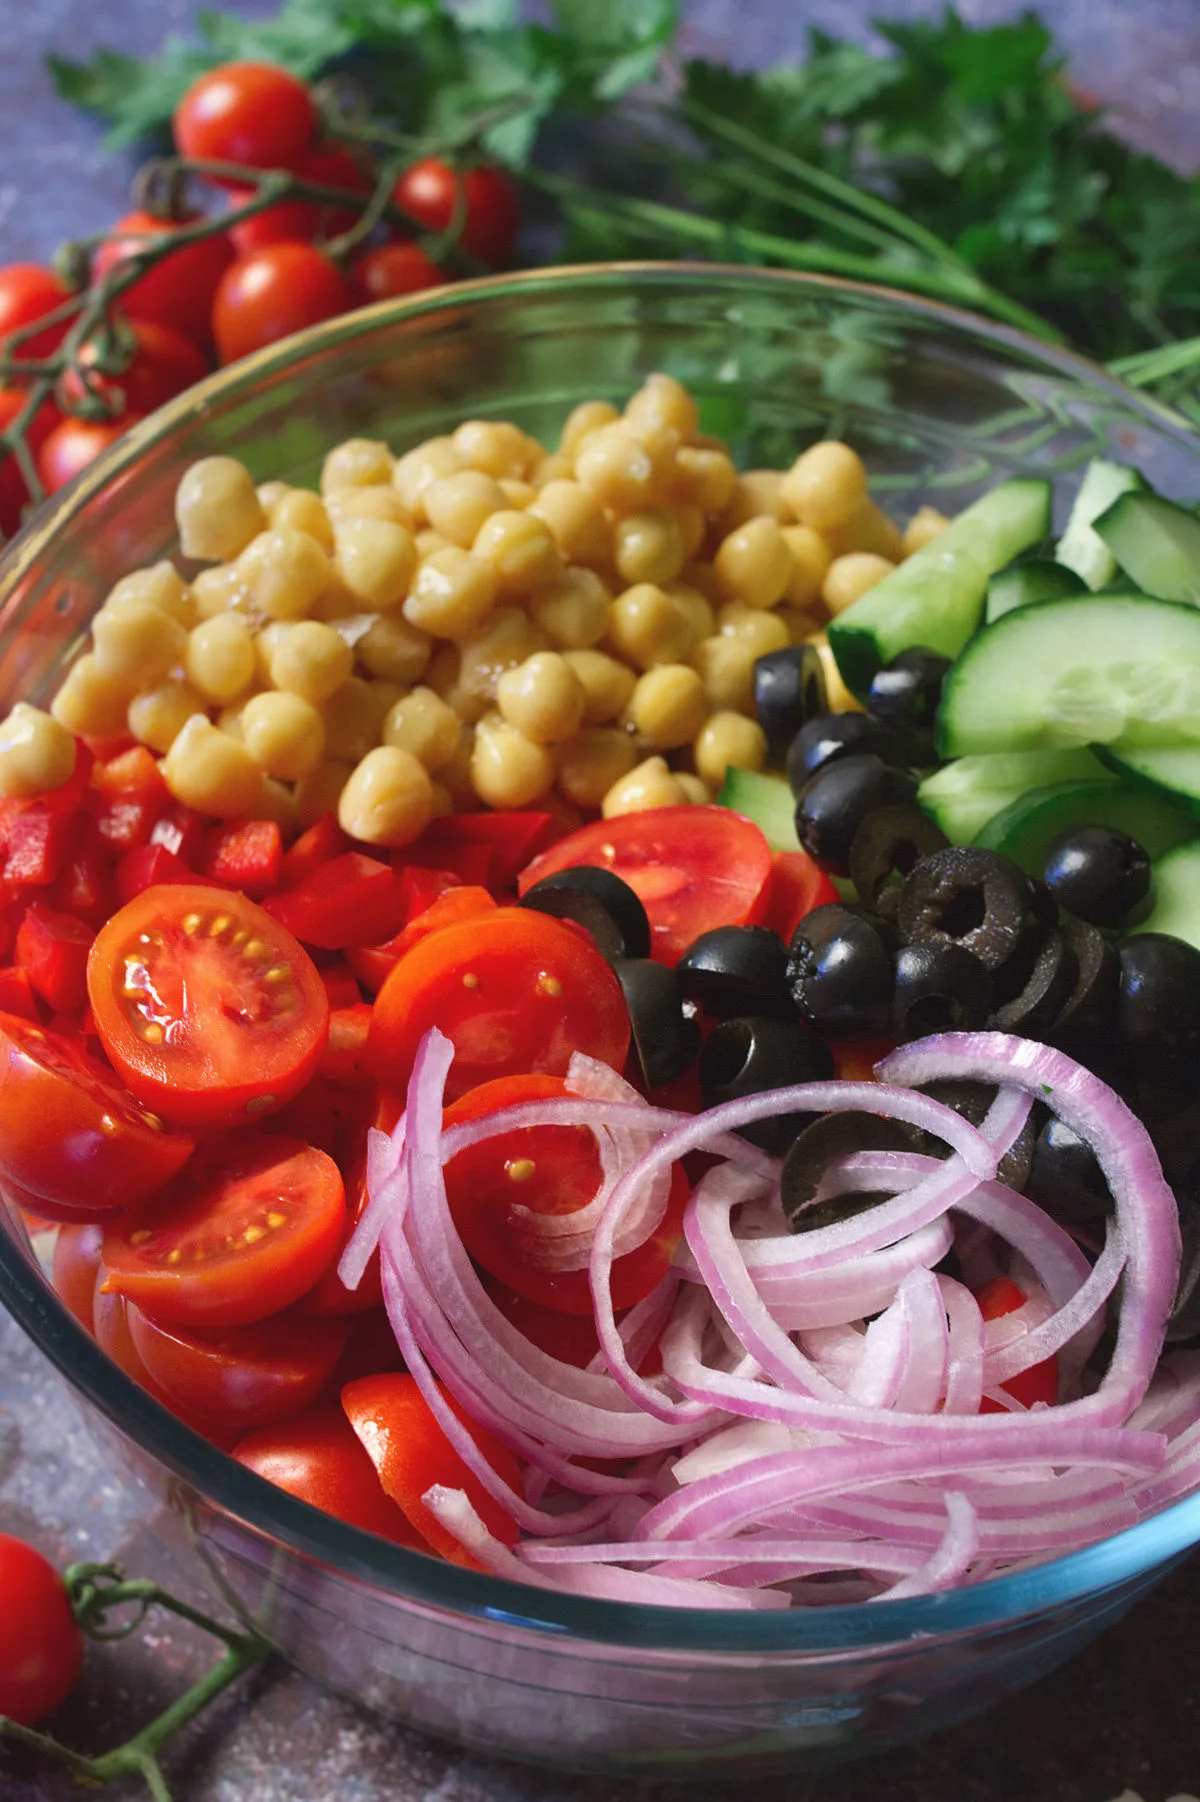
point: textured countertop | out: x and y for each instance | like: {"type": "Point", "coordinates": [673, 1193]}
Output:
{"type": "Point", "coordinates": [1125, 1716]}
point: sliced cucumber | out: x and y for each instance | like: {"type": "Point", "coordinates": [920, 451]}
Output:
{"type": "Point", "coordinates": [1175, 775]}
{"type": "Point", "coordinates": [1156, 543]}
{"type": "Point", "coordinates": [768, 801]}
{"type": "Point", "coordinates": [1038, 579]}
{"type": "Point", "coordinates": [1026, 828]}
{"type": "Point", "coordinates": [1092, 670]}
{"type": "Point", "coordinates": [935, 597]}
{"type": "Point", "coordinates": [1081, 547]}
{"type": "Point", "coordinates": [1176, 907]}
{"type": "Point", "coordinates": [964, 795]}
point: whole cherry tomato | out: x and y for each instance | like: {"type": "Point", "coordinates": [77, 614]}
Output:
{"type": "Point", "coordinates": [14, 492]}
{"type": "Point", "coordinates": [395, 269]}
{"type": "Point", "coordinates": [249, 113]}
{"type": "Point", "coordinates": [333, 166]}
{"type": "Point", "coordinates": [41, 1647]}
{"type": "Point", "coordinates": [164, 363]}
{"type": "Point", "coordinates": [271, 294]}
{"type": "Point", "coordinates": [74, 443]}
{"type": "Point", "coordinates": [427, 192]}
{"type": "Point", "coordinates": [27, 292]}
{"type": "Point", "coordinates": [178, 291]}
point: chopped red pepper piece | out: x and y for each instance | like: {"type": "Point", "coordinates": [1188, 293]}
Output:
{"type": "Point", "coordinates": [421, 887]}
{"type": "Point", "coordinates": [127, 797]}
{"type": "Point", "coordinates": [344, 1060]}
{"type": "Point", "coordinates": [146, 867]}
{"type": "Point", "coordinates": [1037, 1384]}
{"type": "Point", "coordinates": [38, 841]}
{"type": "Point", "coordinates": [352, 900]}
{"type": "Point", "coordinates": [341, 985]}
{"type": "Point", "coordinates": [16, 994]}
{"type": "Point", "coordinates": [52, 949]}
{"type": "Point", "coordinates": [372, 964]}
{"type": "Point", "coordinates": [83, 888]}
{"type": "Point", "coordinates": [134, 771]}
{"type": "Point", "coordinates": [180, 829]}
{"type": "Point", "coordinates": [507, 840]}
{"type": "Point", "coordinates": [320, 844]}
{"type": "Point", "coordinates": [246, 854]}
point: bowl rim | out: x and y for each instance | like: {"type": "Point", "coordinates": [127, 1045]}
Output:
{"type": "Point", "coordinates": [230, 1489]}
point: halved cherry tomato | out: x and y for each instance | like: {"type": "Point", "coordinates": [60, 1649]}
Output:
{"type": "Point", "coordinates": [247, 1230]}
{"type": "Point", "coordinates": [572, 1338]}
{"type": "Point", "coordinates": [111, 1328]}
{"type": "Point", "coordinates": [797, 885]}
{"type": "Point", "coordinates": [370, 1350]}
{"type": "Point", "coordinates": [317, 1457]}
{"type": "Point", "coordinates": [70, 1134]}
{"type": "Point", "coordinates": [546, 1170]}
{"type": "Point", "coordinates": [411, 1453]}
{"type": "Point", "coordinates": [448, 903]}
{"type": "Point", "coordinates": [246, 1376]}
{"type": "Point", "coordinates": [207, 1007]}
{"type": "Point", "coordinates": [1037, 1384]}
{"type": "Point", "coordinates": [344, 1059]}
{"type": "Point", "coordinates": [348, 900]}
{"type": "Point", "coordinates": [515, 991]}
{"type": "Point", "coordinates": [73, 1270]}
{"type": "Point", "coordinates": [693, 867]}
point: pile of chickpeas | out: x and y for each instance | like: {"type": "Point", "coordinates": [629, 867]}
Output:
{"type": "Point", "coordinates": [478, 621]}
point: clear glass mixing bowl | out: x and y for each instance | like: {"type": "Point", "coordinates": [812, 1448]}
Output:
{"type": "Point", "coordinates": [940, 404]}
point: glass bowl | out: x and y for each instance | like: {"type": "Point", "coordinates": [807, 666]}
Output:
{"type": "Point", "coordinates": [940, 404]}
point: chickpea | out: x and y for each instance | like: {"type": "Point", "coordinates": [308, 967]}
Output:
{"type": "Point", "coordinates": [220, 659]}
{"type": "Point", "coordinates": [375, 559]}
{"type": "Point", "coordinates": [924, 526]}
{"type": "Point", "coordinates": [162, 586]}
{"type": "Point", "coordinates": [591, 762]}
{"type": "Point", "coordinates": [517, 495]}
{"type": "Point", "coordinates": [358, 463]}
{"type": "Point", "coordinates": [135, 643]}
{"type": "Point", "coordinates": [650, 784]}
{"type": "Point", "coordinates": [552, 468]}
{"type": "Point", "coordinates": [695, 791]}
{"type": "Point", "coordinates": [416, 469]}
{"type": "Point", "coordinates": [443, 801]}
{"type": "Point", "coordinates": [216, 589]}
{"type": "Point", "coordinates": [267, 643]}
{"type": "Point", "coordinates": [696, 609]}
{"type": "Point", "coordinates": [455, 776]}
{"type": "Point", "coordinates": [573, 610]}
{"type": "Point", "coordinates": [811, 558]}
{"type": "Point", "coordinates": [497, 447]}
{"type": "Point", "coordinates": [208, 770]}
{"type": "Point", "coordinates": [576, 520]}
{"type": "Point", "coordinates": [508, 769]}
{"type": "Point", "coordinates": [444, 676]}
{"type": "Point", "coordinates": [703, 578]}
{"type": "Point", "coordinates": [284, 734]}
{"type": "Point", "coordinates": [607, 684]}
{"type": "Point", "coordinates": [311, 660]}
{"type": "Point", "coordinates": [754, 564]}
{"type": "Point", "coordinates": [354, 717]}
{"type": "Point", "coordinates": [543, 698]}
{"type": "Point", "coordinates": [270, 494]}
{"type": "Point", "coordinates": [755, 626]}
{"type": "Point", "coordinates": [825, 484]}
{"type": "Point", "coordinates": [706, 478]}
{"type": "Point", "coordinates": [229, 719]}
{"type": "Point", "coordinates": [283, 572]}
{"type": "Point", "coordinates": [394, 649]}
{"type": "Point", "coordinates": [37, 753]}
{"type": "Point", "coordinates": [217, 510]}
{"type": "Point", "coordinates": [648, 626]}
{"type": "Point", "coordinates": [277, 802]}
{"type": "Point", "coordinates": [588, 416]}
{"type": "Point", "coordinates": [157, 716]}
{"type": "Point", "coordinates": [623, 470]}
{"type": "Point", "coordinates": [667, 707]}
{"type": "Point", "coordinates": [520, 548]}
{"type": "Point", "coordinates": [801, 626]}
{"type": "Point", "coordinates": [693, 529]}
{"type": "Point", "coordinates": [423, 724]}
{"type": "Point", "coordinates": [728, 741]}
{"type": "Point", "coordinates": [457, 505]}
{"type": "Point", "coordinates": [319, 794]}
{"type": "Point", "coordinates": [365, 503]}
{"type": "Point", "coordinates": [507, 638]}
{"type": "Point", "coordinates": [726, 668]}
{"type": "Point", "coordinates": [303, 511]}
{"type": "Point", "coordinates": [91, 704]}
{"type": "Point", "coordinates": [848, 578]}
{"type": "Point", "coordinates": [757, 494]}
{"type": "Point", "coordinates": [452, 592]}
{"type": "Point", "coordinates": [867, 529]}
{"type": "Point", "coordinates": [648, 546]}
{"type": "Point", "coordinates": [662, 401]}
{"type": "Point", "coordinates": [429, 542]}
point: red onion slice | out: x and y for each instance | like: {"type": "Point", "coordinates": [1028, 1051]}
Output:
{"type": "Point", "coordinates": [952, 1558]}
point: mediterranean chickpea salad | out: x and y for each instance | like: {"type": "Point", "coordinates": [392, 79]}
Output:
{"type": "Point", "coordinates": [630, 1025]}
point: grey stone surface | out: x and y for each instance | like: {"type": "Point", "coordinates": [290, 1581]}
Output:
{"type": "Point", "coordinates": [1123, 1716]}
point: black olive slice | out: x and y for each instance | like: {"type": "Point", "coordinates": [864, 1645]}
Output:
{"type": "Point", "coordinates": [832, 735]}
{"type": "Point", "coordinates": [750, 1056]}
{"type": "Point", "coordinates": [830, 1137]}
{"type": "Point", "coordinates": [939, 988]}
{"type": "Point", "coordinates": [789, 690]}
{"type": "Point", "coordinates": [1087, 1015]}
{"type": "Point", "coordinates": [906, 691]}
{"type": "Point", "coordinates": [840, 973]}
{"type": "Point", "coordinates": [665, 1039]}
{"type": "Point", "coordinates": [833, 804]}
{"type": "Point", "coordinates": [601, 902]}
{"type": "Point", "coordinates": [1047, 989]}
{"type": "Point", "coordinates": [1184, 1322]}
{"type": "Point", "coordinates": [966, 896]}
{"type": "Point", "coordinates": [1066, 1179]}
{"type": "Point", "coordinates": [736, 970]}
{"type": "Point", "coordinates": [888, 845]}
{"type": "Point", "coordinates": [972, 1100]}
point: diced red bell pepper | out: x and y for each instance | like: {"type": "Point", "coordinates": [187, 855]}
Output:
{"type": "Point", "coordinates": [854, 1060]}
{"type": "Point", "coordinates": [344, 1059]}
{"type": "Point", "coordinates": [145, 868]}
{"type": "Point", "coordinates": [16, 994]}
{"type": "Point", "coordinates": [127, 797]}
{"type": "Point", "coordinates": [352, 900]}
{"type": "Point", "coordinates": [372, 964]}
{"type": "Point", "coordinates": [512, 839]}
{"type": "Point", "coordinates": [320, 844]}
{"type": "Point", "coordinates": [52, 949]}
{"type": "Point", "coordinates": [796, 886]}
{"type": "Point", "coordinates": [84, 888]}
{"type": "Point", "coordinates": [421, 888]}
{"type": "Point", "coordinates": [39, 840]}
{"type": "Point", "coordinates": [1039, 1383]}
{"type": "Point", "coordinates": [134, 771]}
{"type": "Point", "coordinates": [470, 863]}
{"type": "Point", "coordinates": [180, 829]}
{"type": "Point", "coordinates": [341, 985]}
{"type": "Point", "coordinates": [246, 854]}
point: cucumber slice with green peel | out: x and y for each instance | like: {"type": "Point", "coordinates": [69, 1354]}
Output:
{"type": "Point", "coordinates": [1174, 775]}
{"type": "Point", "coordinates": [1081, 547]}
{"type": "Point", "coordinates": [964, 795]}
{"type": "Point", "coordinates": [1156, 543]}
{"type": "Point", "coordinates": [1021, 584]}
{"type": "Point", "coordinates": [1092, 670]}
{"type": "Point", "coordinates": [768, 801]}
{"type": "Point", "coordinates": [1176, 907]}
{"type": "Point", "coordinates": [1027, 828]}
{"type": "Point", "coordinates": [935, 597]}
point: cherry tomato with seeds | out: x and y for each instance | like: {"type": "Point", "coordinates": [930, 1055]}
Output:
{"type": "Point", "coordinates": [28, 291]}
{"type": "Point", "coordinates": [428, 193]}
{"type": "Point", "coordinates": [516, 992]}
{"type": "Point", "coordinates": [245, 112]}
{"type": "Point", "coordinates": [317, 1457]}
{"type": "Point", "coordinates": [208, 1008]}
{"type": "Point", "coordinates": [393, 270]}
{"type": "Point", "coordinates": [165, 362]}
{"type": "Point", "coordinates": [271, 294]}
{"type": "Point", "coordinates": [693, 867]}
{"type": "Point", "coordinates": [180, 290]}
{"type": "Point", "coordinates": [245, 1376]}
{"type": "Point", "coordinates": [41, 1646]}
{"type": "Point", "coordinates": [1037, 1384]}
{"type": "Point", "coordinates": [245, 1231]}
{"type": "Point", "coordinates": [74, 443]}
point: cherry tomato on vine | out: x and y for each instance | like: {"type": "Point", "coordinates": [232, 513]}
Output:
{"type": "Point", "coordinates": [427, 191]}
{"type": "Point", "coordinates": [392, 270]}
{"type": "Point", "coordinates": [252, 113]}
{"type": "Point", "coordinates": [74, 443]}
{"type": "Point", "coordinates": [14, 492]}
{"type": "Point", "coordinates": [179, 290]}
{"type": "Point", "coordinates": [331, 164]}
{"type": "Point", "coordinates": [41, 1647]}
{"type": "Point", "coordinates": [542, 1170]}
{"type": "Point", "coordinates": [208, 1007]}
{"type": "Point", "coordinates": [271, 294]}
{"type": "Point", "coordinates": [317, 1457]}
{"type": "Point", "coordinates": [28, 291]}
{"type": "Point", "coordinates": [164, 363]}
